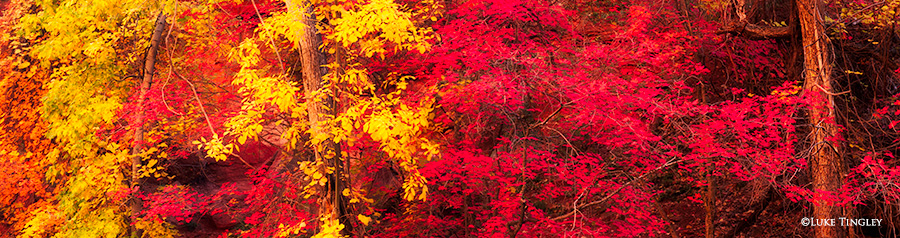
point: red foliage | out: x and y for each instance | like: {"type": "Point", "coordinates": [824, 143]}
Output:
{"type": "Point", "coordinates": [546, 122]}
{"type": "Point", "coordinates": [550, 126]}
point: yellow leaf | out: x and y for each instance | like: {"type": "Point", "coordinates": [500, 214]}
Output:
{"type": "Point", "coordinates": [852, 72]}
{"type": "Point", "coordinates": [364, 219]}
{"type": "Point", "coordinates": [24, 64]}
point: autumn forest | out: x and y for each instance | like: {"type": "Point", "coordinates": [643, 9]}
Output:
{"type": "Point", "coordinates": [449, 118]}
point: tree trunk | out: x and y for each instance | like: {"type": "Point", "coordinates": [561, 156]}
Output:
{"type": "Point", "coordinates": [825, 159]}
{"type": "Point", "coordinates": [710, 203]}
{"type": "Point", "coordinates": [709, 199]}
{"type": "Point", "coordinates": [332, 204]}
{"type": "Point", "coordinates": [138, 147]}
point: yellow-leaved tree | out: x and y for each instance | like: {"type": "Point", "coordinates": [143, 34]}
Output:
{"type": "Point", "coordinates": [22, 143]}
{"type": "Point", "coordinates": [92, 49]}
{"type": "Point", "coordinates": [341, 103]}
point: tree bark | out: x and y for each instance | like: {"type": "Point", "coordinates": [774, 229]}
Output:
{"type": "Point", "coordinates": [825, 163]}
{"type": "Point", "coordinates": [138, 147]}
{"type": "Point", "coordinates": [709, 199]}
{"type": "Point", "coordinates": [710, 203]}
{"type": "Point", "coordinates": [320, 108]}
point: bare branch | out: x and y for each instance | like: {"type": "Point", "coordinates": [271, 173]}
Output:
{"type": "Point", "coordinates": [614, 192]}
{"type": "Point", "coordinates": [754, 31]}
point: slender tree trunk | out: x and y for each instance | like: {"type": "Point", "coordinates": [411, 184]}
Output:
{"type": "Point", "coordinates": [710, 203]}
{"type": "Point", "coordinates": [138, 147]}
{"type": "Point", "coordinates": [825, 158]}
{"type": "Point", "coordinates": [332, 204]}
{"type": "Point", "coordinates": [710, 196]}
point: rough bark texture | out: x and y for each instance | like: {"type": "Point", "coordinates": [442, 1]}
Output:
{"type": "Point", "coordinates": [320, 108]}
{"type": "Point", "coordinates": [825, 161]}
{"type": "Point", "coordinates": [149, 71]}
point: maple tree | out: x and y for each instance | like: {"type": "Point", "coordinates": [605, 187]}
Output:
{"type": "Point", "coordinates": [21, 151]}
{"type": "Point", "coordinates": [399, 118]}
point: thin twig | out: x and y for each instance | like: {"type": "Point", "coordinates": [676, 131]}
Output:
{"type": "Point", "coordinates": [828, 92]}
{"type": "Point", "coordinates": [200, 103]}
{"type": "Point", "coordinates": [271, 41]}
{"type": "Point", "coordinates": [567, 141]}
{"type": "Point", "coordinates": [549, 117]}
{"type": "Point", "coordinates": [614, 192]}
{"type": "Point", "coordinates": [171, 70]}
{"type": "Point", "coordinates": [242, 160]}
